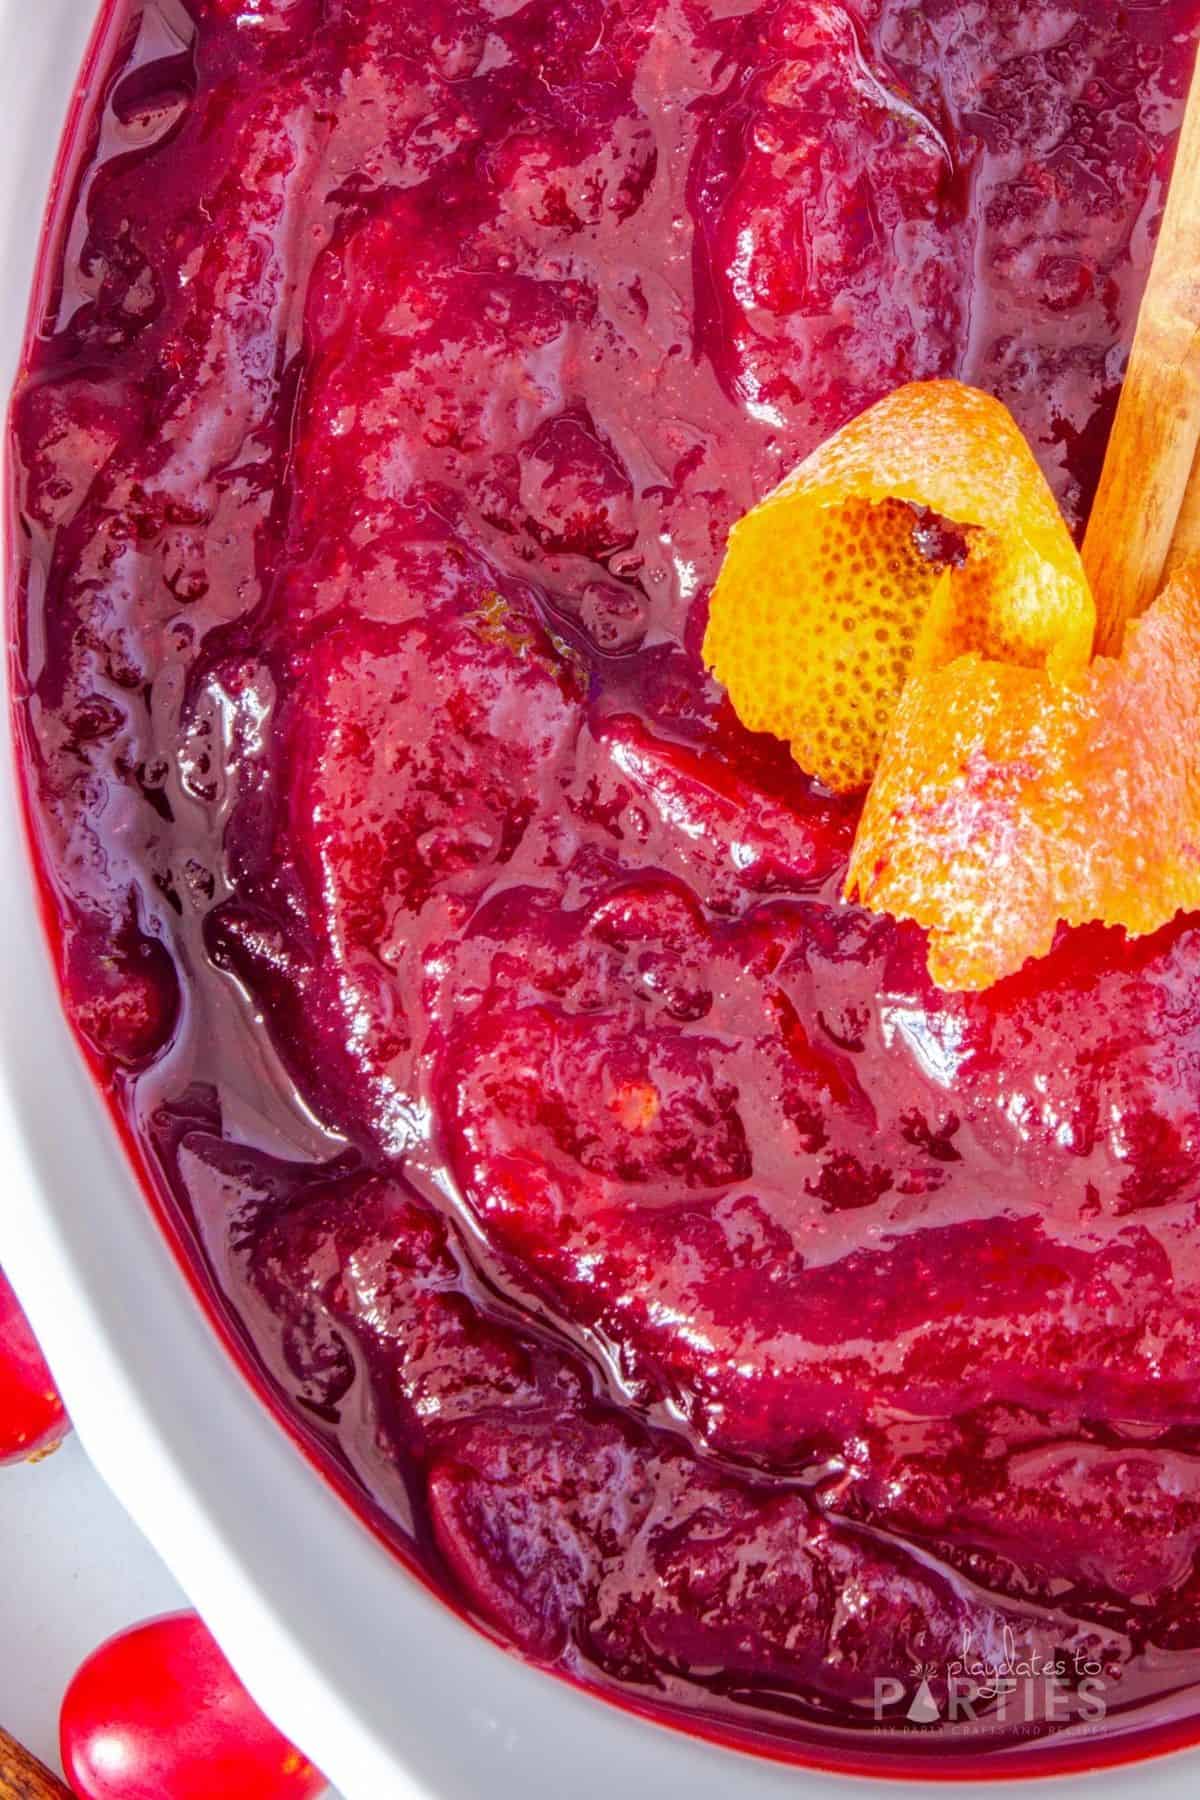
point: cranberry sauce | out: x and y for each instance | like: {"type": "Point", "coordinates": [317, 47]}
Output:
{"type": "Point", "coordinates": [712, 1309]}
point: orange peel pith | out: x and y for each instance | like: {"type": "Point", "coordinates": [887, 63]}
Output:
{"type": "Point", "coordinates": [1006, 801]}
{"type": "Point", "coordinates": [844, 582]}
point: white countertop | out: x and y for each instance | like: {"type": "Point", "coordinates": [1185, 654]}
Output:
{"type": "Point", "coordinates": [73, 1570]}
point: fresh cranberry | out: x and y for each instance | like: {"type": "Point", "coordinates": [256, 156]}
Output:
{"type": "Point", "coordinates": [157, 1713]}
{"type": "Point", "coordinates": [32, 1417]}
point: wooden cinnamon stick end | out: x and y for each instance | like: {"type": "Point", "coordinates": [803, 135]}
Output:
{"type": "Point", "coordinates": [23, 1777]}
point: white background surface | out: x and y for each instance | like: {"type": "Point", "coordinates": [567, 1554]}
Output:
{"type": "Point", "coordinates": [73, 1570]}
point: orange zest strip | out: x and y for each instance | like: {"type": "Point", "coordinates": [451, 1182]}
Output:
{"type": "Point", "coordinates": [908, 611]}
{"type": "Point", "coordinates": [921, 531]}
{"type": "Point", "coordinates": [1007, 800]}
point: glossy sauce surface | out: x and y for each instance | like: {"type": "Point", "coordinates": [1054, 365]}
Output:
{"type": "Point", "coordinates": [716, 1311]}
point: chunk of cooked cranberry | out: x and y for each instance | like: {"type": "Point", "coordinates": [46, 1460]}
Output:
{"type": "Point", "coordinates": [635, 1176]}
{"type": "Point", "coordinates": [670, 806]}
{"type": "Point", "coordinates": [1078, 1068]}
{"type": "Point", "coordinates": [560, 182]}
{"type": "Point", "coordinates": [831, 178]}
{"type": "Point", "coordinates": [362, 1263]}
{"type": "Point", "coordinates": [429, 358]}
{"type": "Point", "coordinates": [555, 1115]}
{"type": "Point", "coordinates": [122, 991]}
{"type": "Point", "coordinates": [524, 1524]}
{"type": "Point", "coordinates": [1109, 1521]}
{"type": "Point", "coordinates": [575, 492]}
{"type": "Point", "coordinates": [70, 428]}
{"type": "Point", "coordinates": [421, 753]}
{"type": "Point", "coordinates": [262, 21]}
{"type": "Point", "coordinates": [650, 1563]}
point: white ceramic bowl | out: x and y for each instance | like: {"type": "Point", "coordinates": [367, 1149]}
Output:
{"type": "Point", "coordinates": [388, 1691]}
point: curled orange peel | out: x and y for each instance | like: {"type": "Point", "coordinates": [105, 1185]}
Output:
{"type": "Point", "coordinates": [1006, 801]}
{"type": "Point", "coordinates": [845, 580]}
{"type": "Point", "coordinates": [1014, 783]}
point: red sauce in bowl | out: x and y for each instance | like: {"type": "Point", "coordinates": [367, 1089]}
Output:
{"type": "Point", "coordinates": [711, 1308]}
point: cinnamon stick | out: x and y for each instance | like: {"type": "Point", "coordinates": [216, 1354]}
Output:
{"type": "Point", "coordinates": [1157, 429]}
{"type": "Point", "coordinates": [23, 1777]}
{"type": "Point", "coordinates": [1186, 543]}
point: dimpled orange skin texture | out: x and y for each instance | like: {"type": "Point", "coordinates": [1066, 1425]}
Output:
{"type": "Point", "coordinates": [825, 604]}
{"type": "Point", "coordinates": [1006, 801]}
